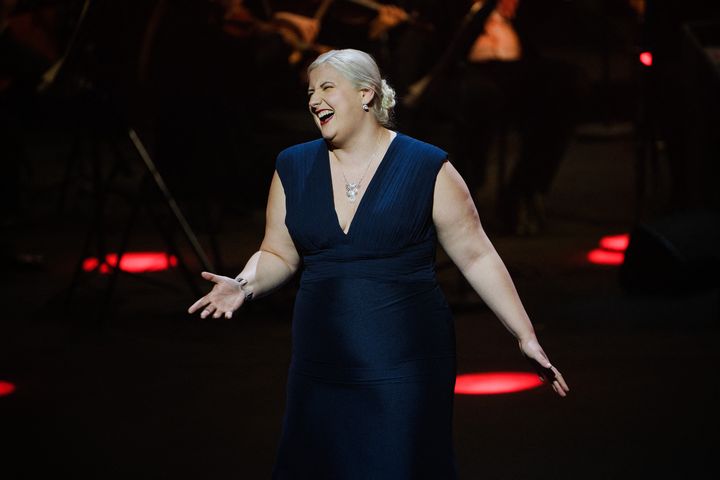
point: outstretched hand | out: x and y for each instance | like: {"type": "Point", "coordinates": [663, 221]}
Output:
{"type": "Point", "coordinates": [548, 373]}
{"type": "Point", "coordinates": [225, 297]}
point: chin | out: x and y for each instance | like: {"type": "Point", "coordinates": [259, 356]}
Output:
{"type": "Point", "coordinates": [328, 134]}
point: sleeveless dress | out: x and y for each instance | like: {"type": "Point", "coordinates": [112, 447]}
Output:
{"type": "Point", "coordinates": [372, 372]}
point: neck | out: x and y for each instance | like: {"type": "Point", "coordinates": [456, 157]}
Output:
{"type": "Point", "coordinates": [364, 142]}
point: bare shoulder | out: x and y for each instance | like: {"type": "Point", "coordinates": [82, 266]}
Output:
{"type": "Point", "coordinates": [277, 238]}
{"type": "Point", "coordinates": [451, 192]}
{"type": "Point", "coordinates": [453, 206]}
{"type": "Point", "coordinates": [275, 212]}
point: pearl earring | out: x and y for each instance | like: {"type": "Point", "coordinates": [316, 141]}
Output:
{"type": "Point", "coordinates": [365, 107]}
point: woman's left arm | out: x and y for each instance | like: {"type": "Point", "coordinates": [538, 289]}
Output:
{"type": "Point", "coordinates": [463, 238]}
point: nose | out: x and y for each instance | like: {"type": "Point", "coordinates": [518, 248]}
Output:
{"type": "Point", "coordinates": [314, 100]}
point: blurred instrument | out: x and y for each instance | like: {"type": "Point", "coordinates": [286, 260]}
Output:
{"type": "Point", "coordinates": [302, 48]}
{"type": "Point", "coordinates": [239, 22]}
{"type": "Point", "coordinates": [47, 28]}
{"type": "Point", "coordinates": [51, 74]}
{"type": "Point", "coordinates": [412, 19]}
{"type": "Point", "coordinates": [472, 24]}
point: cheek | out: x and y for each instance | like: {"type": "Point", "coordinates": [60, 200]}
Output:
{"type": "Point", "coordinates": [340, 100]}
{"type": "Point", "coordinates": [351, 107]}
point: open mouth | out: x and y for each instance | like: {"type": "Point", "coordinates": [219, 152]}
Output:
{"type": "Point", "coordinates": [324, 116]}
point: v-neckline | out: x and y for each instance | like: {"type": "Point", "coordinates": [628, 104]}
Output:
{"type": "Point", "coordinates": [368, 190]}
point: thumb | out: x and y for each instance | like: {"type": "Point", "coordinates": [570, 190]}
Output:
{"type": "Point", "coordinates": [539, 357]}
{"type": "Point", "coordinates": [542, 359]}
{"type": "Point", "coordinates": [209, 276]}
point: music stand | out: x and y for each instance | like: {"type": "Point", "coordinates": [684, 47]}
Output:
{"type": "Point", "coordinates": [80, 48]}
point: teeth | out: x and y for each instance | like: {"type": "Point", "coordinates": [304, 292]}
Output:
{"type": "Point", "coordinates": [324, 114]}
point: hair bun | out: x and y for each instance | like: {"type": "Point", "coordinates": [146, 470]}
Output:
{"type": "Point", "coordinates": [387, 94]}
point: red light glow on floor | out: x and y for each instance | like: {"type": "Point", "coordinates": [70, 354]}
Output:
{"type": "Point", "coordinates": [611, 251]}
{"type": "Point", "coordinates": [616, 243]}
{"type": "Point", "coordinates": [134, 262]}
{"type": "Point", "coordinates": [605, 257]}
{"type": "Point", "coordinates": [6, 388]}
{"type": "Point", "coordinates": [494, 383]}
{"type": "Point", "coordinates": [646, 59]}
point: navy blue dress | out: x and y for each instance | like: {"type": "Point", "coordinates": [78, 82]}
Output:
{"type": "Point", "coordinates": [371, 380]}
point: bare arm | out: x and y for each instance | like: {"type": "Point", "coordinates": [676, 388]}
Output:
{"type": "Point", "coordinates": [463, 238]}
{"type": "Point", "coordinates": [268, 268]}
{"type": "Point", "coordinates": [277, 260]}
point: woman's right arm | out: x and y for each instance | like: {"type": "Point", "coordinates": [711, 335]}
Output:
{"type": "Point", "coordinates": [268, 268]}
{"type": "Point", "coordinates": [277, 260]}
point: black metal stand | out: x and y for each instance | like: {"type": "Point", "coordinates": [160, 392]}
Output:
{"type": "Point", "coordinates": [95, 240]}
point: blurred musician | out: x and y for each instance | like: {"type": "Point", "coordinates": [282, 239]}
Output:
{"type": "Point", "coordinates": [503, 81]}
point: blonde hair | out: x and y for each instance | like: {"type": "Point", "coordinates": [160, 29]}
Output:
{"type": "Point", "coordinates": [362, 71]}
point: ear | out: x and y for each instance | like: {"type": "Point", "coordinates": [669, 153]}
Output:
{"type": "Point", "coordinates": [366, 95]}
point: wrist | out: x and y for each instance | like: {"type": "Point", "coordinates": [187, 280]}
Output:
{"type": "Point", "coordinates": [526, 337]}
{"type": "Point", "coordinates": [245, 287]}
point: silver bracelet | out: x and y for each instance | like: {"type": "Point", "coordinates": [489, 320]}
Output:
{"type": "Point", "coordinates": [243, 282]}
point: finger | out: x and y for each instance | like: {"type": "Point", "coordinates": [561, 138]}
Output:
{"type": "Point", "coordinates": [218, 314]}
{"type": "Point", "coordinates": [228, 315]}
{"type": "Point", "coordinates": [546, 374]}
{"type": "Point", "coordinates": [558, 389]}
{"type": "Point", "coordinates": [198, 305]}
{"type": "Point", "coordinates": [542, 359]}
{"type": "Point", "coordinates": [539, 356]}
{"type": "Point", "coordinates": [207, 311]}
{"type": "Point", "coordinates": [561, 381]}
{"type": "Point", "coordinates": [558, 375]}
{"type": "Point", "coordinates": [209, 276]}
{"type": "Point", "coordinates": [561, 387]}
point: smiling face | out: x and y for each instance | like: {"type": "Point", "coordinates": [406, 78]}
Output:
{"type": "Point", "coordinates": [335, 104]}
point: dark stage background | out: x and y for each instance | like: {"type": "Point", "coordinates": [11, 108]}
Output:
{"type": "Point", "coordinates": [113, 379]}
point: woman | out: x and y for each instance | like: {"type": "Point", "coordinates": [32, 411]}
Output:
{"type": "Point", "coordinates": [370, 386]}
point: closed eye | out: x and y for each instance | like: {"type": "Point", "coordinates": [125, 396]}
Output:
{"type": "Point", "coordinates": [323, 86]}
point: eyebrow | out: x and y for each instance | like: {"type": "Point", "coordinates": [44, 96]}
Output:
{"type": "Point", "coordinates": [321, 85]}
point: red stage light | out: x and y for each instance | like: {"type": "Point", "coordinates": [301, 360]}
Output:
{"type": "Point", "coordinates": [493, 383]}
{"type": "Point", "coordinates": [605, 257]}
{"type": "Point", "coordinates": [6, 388]}
{"type": "Point", "coordinates": [90, 264]}
{"type": "Point", "coordinates": [646, 59]}
{"type": "Point", "coordinates": [617, 243]}
{"type": "Point", "coordinates": [134, 262]}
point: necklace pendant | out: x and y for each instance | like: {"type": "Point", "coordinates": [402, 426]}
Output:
{"type": "Point", "coordinates": [351, 191]}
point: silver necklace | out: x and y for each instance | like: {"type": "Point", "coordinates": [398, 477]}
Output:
{"type": "Point", "coordinates": [352, 189]}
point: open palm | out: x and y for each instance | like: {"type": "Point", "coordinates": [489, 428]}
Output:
{"type": "Point", "coordinates": [225, 297]}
